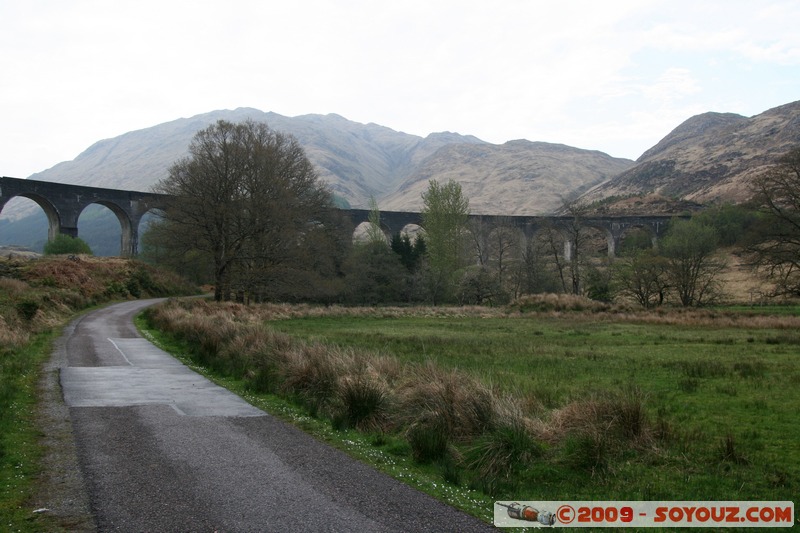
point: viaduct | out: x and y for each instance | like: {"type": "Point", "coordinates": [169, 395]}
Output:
{"type": "Point", "coordinates": [64, 203]}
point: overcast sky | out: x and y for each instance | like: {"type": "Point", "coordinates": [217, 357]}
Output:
{"type": "Point", "coordinates": [614, 76]}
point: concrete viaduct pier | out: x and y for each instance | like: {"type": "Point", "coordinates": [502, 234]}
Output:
{"type": "Point", "coordinates": [613, 227]}
{"type": "Point", "coordinates": [63, 204]}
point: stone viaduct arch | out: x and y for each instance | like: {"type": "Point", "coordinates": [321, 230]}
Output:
{"type": "Point", "coordinates": [614, 227]}
{"type": "Point", "coordinates": [64, 203]}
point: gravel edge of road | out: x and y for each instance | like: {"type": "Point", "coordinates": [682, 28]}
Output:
{"type": "Point", "coordinates": [62, 494]}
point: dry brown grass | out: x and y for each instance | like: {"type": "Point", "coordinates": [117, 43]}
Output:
{"type": "Point", "coordinates": [12, 335]}
{"type": "Point", "coordinates": [431, 406]}
{"type": "Point", "coordinates": [446, 416]}
{"type": "Point", "coordinates": [618, 417]}
{"type": "Point", "coordinates": [13, 288]}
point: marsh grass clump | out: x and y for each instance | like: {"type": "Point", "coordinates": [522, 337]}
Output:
{"type": "Point", "coordinates": [750, 369]}
{"type": "Point", "coordinates": [510, 446]}
{"type": "Point", "coordinates": [429, 437]}
{"type": "Point", "coordinates": [545, 303]}
{"type": "Point", "coordinates": [702, 369]}
{"type": "Point", "coordinates": [363, 401]}
{"type": "Point", "coordinates": [310, 373]}
{"type": "Point", "coordinates": [440, 408]}
{"type": "Point", "coordinates": [591, 431]}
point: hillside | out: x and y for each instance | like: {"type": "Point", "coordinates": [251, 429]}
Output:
{"type": "Point", "coordinates": [709, 158]}
{"type": "Point", "coordinates": [358, 161]}
{"type": "Point", "coordinates": [516, 178]}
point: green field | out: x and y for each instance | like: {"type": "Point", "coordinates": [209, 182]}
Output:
{"type": "Point", "coordinates": [720, 399]}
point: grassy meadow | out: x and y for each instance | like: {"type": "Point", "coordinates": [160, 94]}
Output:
{"type": "Point", "coordinates": [536, 402]}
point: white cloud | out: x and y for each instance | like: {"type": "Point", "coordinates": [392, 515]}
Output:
{"type": "Point", "coordinates": [592, 74]}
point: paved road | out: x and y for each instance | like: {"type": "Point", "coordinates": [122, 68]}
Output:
{"type": "Point", "coordinates": [163, 449]}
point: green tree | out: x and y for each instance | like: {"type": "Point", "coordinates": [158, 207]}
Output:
{"type": "Point", "coordinates": [374, 232]}
{"type": "Point", "coordinates": [64, 244]}
{"type": "Point", "coordinates": [777, 249]}
{"type": "Point", "coordinates": [374, 275]}
{"type": "Point", "coordinates": [635, 241]}
{"type": "Point", "coordinates": [249, 198]}
{"type": "Point", "coordinates": [445, 213]}
{"type": "Point", "coordinates": [410, 252]}
{"type": "Point", "coordinates": [732, 222]}
{"type": "Point", "coordinates": [692, 269]}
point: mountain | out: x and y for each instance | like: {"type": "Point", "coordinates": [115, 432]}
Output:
{"type": "Point", "coordinates": [357, 161]}
{"type": "Point", "coordinates": [516, 178]}
{"type": "Point", "coordinates": [709, 158]}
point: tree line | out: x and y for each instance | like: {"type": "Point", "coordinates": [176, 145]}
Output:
{"type": "Point", "coordinates": [251, 217]}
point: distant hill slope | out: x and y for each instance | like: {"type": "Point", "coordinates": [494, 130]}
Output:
{"type": "Point", "coordinates": [711, 157]}
{"type": "Point", "coordinates": [515, 178]}
{"type": "Point", "coordinates": [356, 160]}
{"type": "Point", "coordinates": [359, 161]}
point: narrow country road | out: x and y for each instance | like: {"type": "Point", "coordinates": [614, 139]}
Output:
{"type": "Point", "coordinates": [162, 449]}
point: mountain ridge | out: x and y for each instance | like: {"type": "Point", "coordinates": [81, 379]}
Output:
{"type": "Point", "coordinates": [357, 161]}
{"type": "Point", "coordinates": [709, 158]}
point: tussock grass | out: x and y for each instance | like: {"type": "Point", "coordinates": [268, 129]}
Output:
{"type": "Point", "coordinates": [511, 445]}
{"type": "Point", "coordinates": [447, 416]}
{"type": "Point", "coordinates": [542, 303]}
{"type": "Point", "coordinates": [599, 403]}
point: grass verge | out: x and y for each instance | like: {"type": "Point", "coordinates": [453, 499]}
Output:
{"type": "Point", "coordinates": [389, 454]}
{"type": "Point", "coordinates": [20, 451]}
{"type": "Point", "coordinates": [37, 298]}
{"type": "Point", "coordinates": [542, 406]}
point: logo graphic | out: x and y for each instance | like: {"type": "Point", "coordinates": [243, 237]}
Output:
{"type": "Point", "coordinates": [518, 511]}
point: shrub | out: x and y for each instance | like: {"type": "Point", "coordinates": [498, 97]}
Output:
{"type": "Point", "coordinates": [64, 244]}
{"type": "Point", "coordinates": [27, 309]}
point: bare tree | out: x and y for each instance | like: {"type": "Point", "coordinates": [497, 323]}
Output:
{"type": "Point", "coordinates": [777, 250]}
{"type": "Point", "coordinates": [642, 276]}
{"type": "Point", "coordinates": [692, 270]}
{"type": "Point", "coordinates": [496, 246]}
{"type": "Point", "coordinates": [249, 198]}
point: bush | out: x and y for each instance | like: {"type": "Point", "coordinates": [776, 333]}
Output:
{"type": "Point", "coordinates": [64, 244]}
{"type": "Point", "coordinates": [27, 309]}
